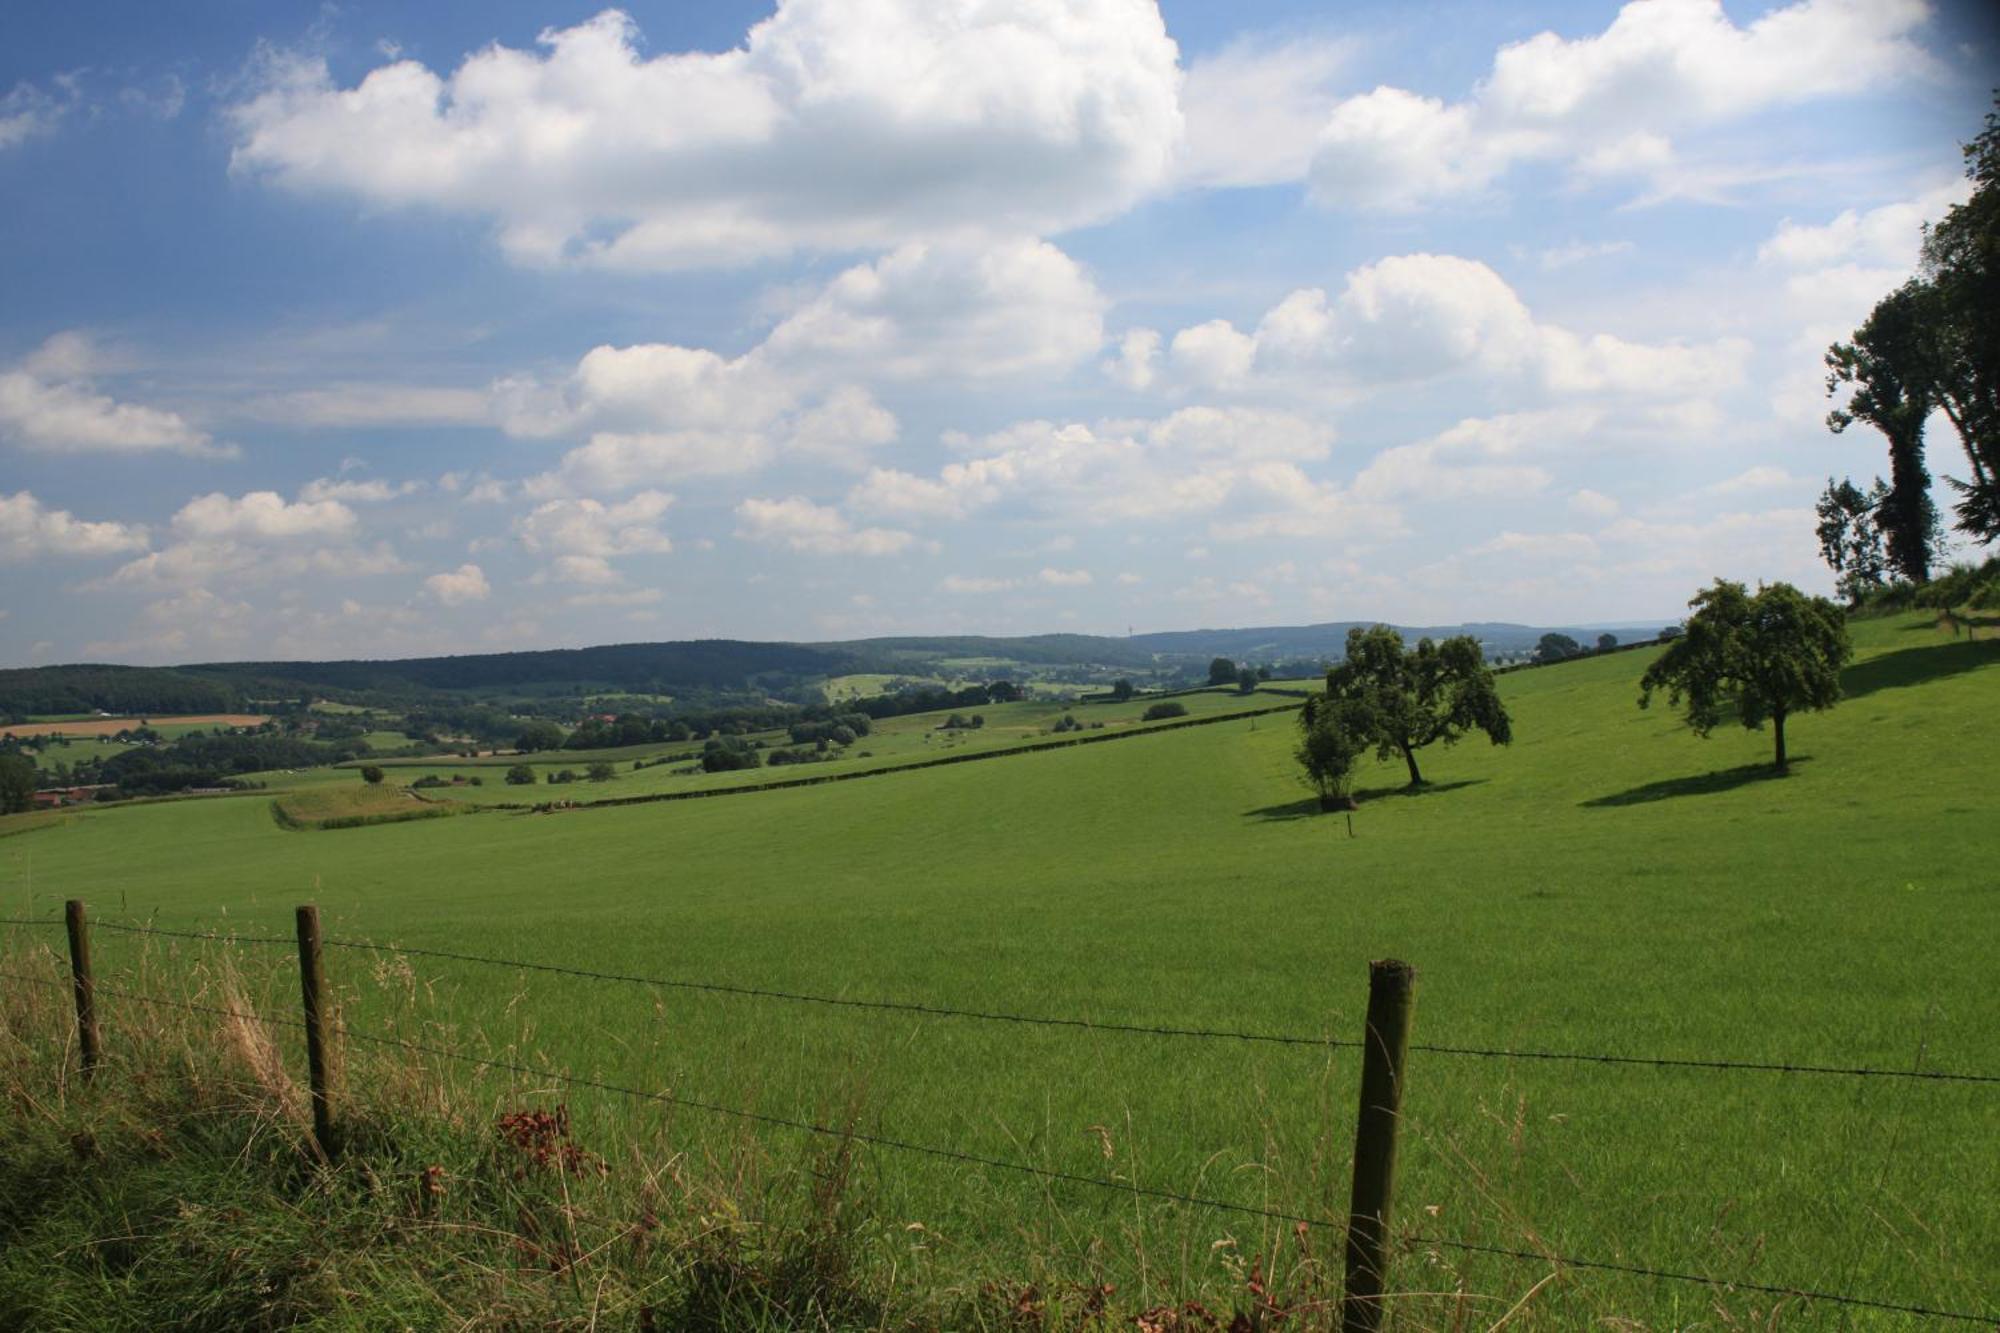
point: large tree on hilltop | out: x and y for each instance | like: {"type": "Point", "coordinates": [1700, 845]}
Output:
{"type": "Point", "coordinates": [1764, 657]}
{"type": "Point", "coordinates": [1404, 700]}
{"type": "Point", "coordinates": [1891, 365]}
{"type": "Point", "coordinates": [1961, 262]}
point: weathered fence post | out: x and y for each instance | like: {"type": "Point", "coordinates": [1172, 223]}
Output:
{"type": "Point", "coordinates": [1391, 988]}
{"type": "Point", "coordinates": [312, 984]}
{"type": "Point", "coordinates": [88, 1040]}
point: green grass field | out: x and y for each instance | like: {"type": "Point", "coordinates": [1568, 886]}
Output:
{"type": "Point", "coordinates": [894, 742]}
{"type": "Point", "coordinates": [1609, 883]}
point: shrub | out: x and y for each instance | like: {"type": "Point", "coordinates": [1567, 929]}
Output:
{"type": "Point", "coordinates": [1164, 709]}
{"type": "Point", "coordinates": [599, 772]}
{"type": "Point", "coordinates": [372, 775]}
{"type": "Point", "coordinates": [520, 775]}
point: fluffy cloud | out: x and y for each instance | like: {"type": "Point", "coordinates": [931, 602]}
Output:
{"type": "Point", "coordinates": [1066, 578]}
{"type": "Point", "coordinates": [800, 524]}
{"type": "Point", "coordinates": [47, 403]}
{"type": "Point", "coordinates": [1600, 102]}
{"type": "Point", "coordinates": [967, 311]}
{"type": "Point", "coordinates": [456, 587]}
{"type": "Point", "coordinates": [259, 537]}
{"type": "Point", "coordinates": [1477, 457]}
{"type": "Point", "coordinates": [1239, 466]}
{"type": "Point", "coordinates": [1416, 317]}
{"type": "Point", "coordinates": [1138, 354]}
{"type": "Point", "coordinates": [26, 112]}
{"type": "Point", "coordinates": [843, 429]}
{"type": "Point", "coordinates": [260, 515]}
{"type": "Point", "coordinates": [373, 491]}
{"type": "Point", "coordinates": [29, 529]}
{"type": "Point", "coordinates": [834, 126]}
{"type": "Point", "coordinates": [593, 530]}
{"type": "Point", "coordinates": [1884, 237]}
{"type": "Point", "coordinates": [1255, 110]}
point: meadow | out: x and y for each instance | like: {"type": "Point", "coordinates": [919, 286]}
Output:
{"type": "Point", "coordinates": [1608, 883]}
{"type": "Point", "coordinates": [893, 742]}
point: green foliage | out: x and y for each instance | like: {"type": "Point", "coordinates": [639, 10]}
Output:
{"type": "Point", "coordinates": [728, 754]}
{"type": "Point", "coordinates": [1890, 366]}
{"type": "Point", "coordinates": [1961, 263]}
{"type": "Point", "coordinates": [1606, 642]}
{"type": "Point", "coordinates": [1557, 648]}
{"type": "Point", "coordinates": [1763, 657]}
{"type": "Point", "coordinates": [520, 775]}
{"type": "Point", "coordinates": [1850, 537]}
{"type": "Point", "coordinates": [539, 736]}
{"type": "Point", "coordinates": [1121, 690]}
{"type": "Point", "coordinates": [1246, 680]}
{"type": "Point", "coordinates": [17, 784]}
{"type": "Point", "coordinates": [371, 774]}
{"type": "Point", "coordinates": [1222, 671]}
{"type": "Point", "coordinates": [1406, 700]}
{"type": "Point", "coordinates": [1333, 736]}
{"type": "Point", "coordinates": [1166, 708]}
{"type": "Point", "coordinates": [599, 772]}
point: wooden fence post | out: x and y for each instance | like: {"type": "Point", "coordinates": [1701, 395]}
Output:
{"type": "Point", "coordinates": [88, 1040]}
{"type": "Point", "coordinates": [1391, 989]}
{"type": "Point", "coordinates": [312, 985]}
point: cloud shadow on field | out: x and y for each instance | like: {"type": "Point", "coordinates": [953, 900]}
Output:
{"type": "Point", "coordinates": [1703, 784]}
{"type": "Point", "coordinates": [1914, 666]}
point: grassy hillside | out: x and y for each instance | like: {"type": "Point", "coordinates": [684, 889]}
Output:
{"type": "Point", "coordinates": [1608, 883]}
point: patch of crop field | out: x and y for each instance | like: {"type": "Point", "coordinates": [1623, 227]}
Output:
{"type": "Point", "coordinates": [32, 821]}
{"type": "Point", "coordinates": [1607, 884]}
{"type": "Point", "coordinates": [111, 726]}
{"type": "Point", "coordinates": [355, 804]}
{"type": "Point", "coordinates": [386, 740]}
{"type": "Point", "coordinates": [914, 738]}
{"type": "Point", "coordinates": [869, 684]}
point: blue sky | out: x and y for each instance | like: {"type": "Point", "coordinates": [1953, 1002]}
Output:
{"type": "Point", "coordinates": [373, 330]}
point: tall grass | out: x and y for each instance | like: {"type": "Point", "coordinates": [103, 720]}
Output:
{"type": "Point", "coordinates": [181, 1187]}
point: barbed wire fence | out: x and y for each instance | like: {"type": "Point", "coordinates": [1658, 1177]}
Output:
{"type": "Point", "coordinates": [1383, 1057]}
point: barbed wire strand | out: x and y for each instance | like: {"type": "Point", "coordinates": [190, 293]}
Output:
{"type": "Point", "coordinates": [1083, 1024]}
{"type": "Point", "coordinates": [1040, 1172]}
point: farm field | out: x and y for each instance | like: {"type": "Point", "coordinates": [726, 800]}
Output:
{"type": "Point", "coordinates": [111, 726]}
{"type": "Point", "coordinates": [894, 741]}
{"type": "Point", "coordinates": [1609, 884]}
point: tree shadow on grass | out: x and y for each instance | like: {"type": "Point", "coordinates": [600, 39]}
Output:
{"type": "Point", "coordinates": [1309, 806]}
{"type": "Point", "coordinates": [1704, 784]}
{"type": "Point", "coordinates": [1428, 789]}
{"type": "Point", "coordinates": [1914, 666]}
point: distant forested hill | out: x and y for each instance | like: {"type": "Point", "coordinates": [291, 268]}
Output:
{"type": "Point", "coordinates": [716, 666]}
{"type": "Point", "coordinates": [121, 690]}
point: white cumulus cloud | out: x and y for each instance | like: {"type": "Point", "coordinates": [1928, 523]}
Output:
{"type": "Point", "coordinates": [1605, 102]}
{"type": "Point", "coordinates": [30, 529]}
{"type": "Point", "coordinates": [798, 523]}
{"type": "Point", "coordinates": [456, 587]}
{"type": "Point", "coordinates": [834, 126]}
{"type": "Point", "coordinates": [47, 403]}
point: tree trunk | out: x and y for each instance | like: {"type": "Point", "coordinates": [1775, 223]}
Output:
{"type": "Point", "coordinates": [1778, 727]}
{"type": "Point", "coordinates": [1410, 758]}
